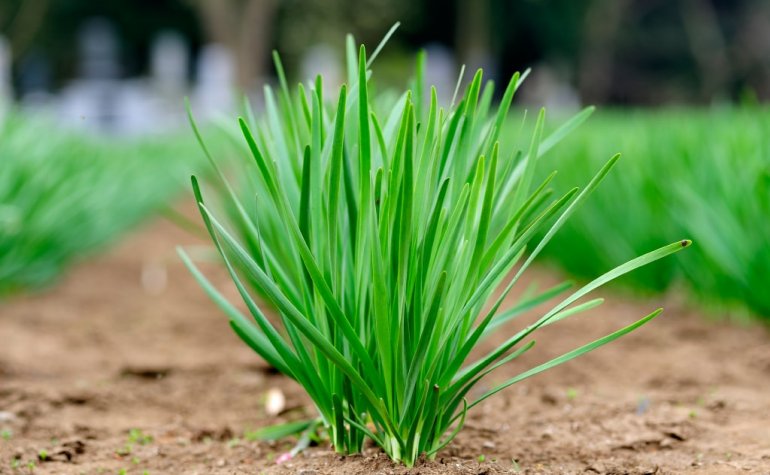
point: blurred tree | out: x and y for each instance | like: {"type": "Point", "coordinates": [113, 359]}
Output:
{"type": "Point", "coordinates": [21, 20]}
{"type": "Point", "coordinates": [707, 43]}
{"type": "Point", "coordinates": [474, 34]}
{"type": "Point", "coordinates": [601, 25]}
{"type": "Point", "coordinates": [304, 23]}
{"type": "Point", "coordinates": [529, 32]}
{"type": "Point", "coordinates": [245, 28]}
{"type": "Point", "coordinates": [750, 49]}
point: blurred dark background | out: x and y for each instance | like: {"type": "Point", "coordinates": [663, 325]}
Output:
{"type": "Point", "coordinates": [626, 52]}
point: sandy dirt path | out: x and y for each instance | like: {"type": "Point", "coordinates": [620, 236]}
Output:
{"type": "Point", "coordinates": [88, 361]}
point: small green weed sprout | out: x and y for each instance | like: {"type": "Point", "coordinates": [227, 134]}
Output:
{"type": "Point", "coordinates": [385, 238]}
{"type": "Point", "coordinates": [136, 436]}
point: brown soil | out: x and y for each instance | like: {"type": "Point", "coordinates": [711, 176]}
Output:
{"type": "Point", "coordinates": [100, 354]}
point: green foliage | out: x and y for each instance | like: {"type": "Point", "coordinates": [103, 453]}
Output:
{"type": "Point", "coordinates": [378, 234]}
{"type": "Point", "coordinates": [136, 436]}
{"type": "Point", "coordinates": [705, 173]}
{"type": "Point", "coordinates": [63, 195]}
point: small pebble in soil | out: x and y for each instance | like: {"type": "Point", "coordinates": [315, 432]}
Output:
{"type": "Point", "coordinates": [6, 416]}
{"type": "Point", "coordinates": [275, 402]}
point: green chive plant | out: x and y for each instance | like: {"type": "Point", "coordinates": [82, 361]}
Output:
{"type": "Point", "coordinates": [378, 240]}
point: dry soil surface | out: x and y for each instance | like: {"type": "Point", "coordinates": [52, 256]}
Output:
{"type": "Point", "coordinates": [126, 367]}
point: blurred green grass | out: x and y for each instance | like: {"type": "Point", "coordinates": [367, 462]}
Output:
{"type": "Point", "coordinates": [697, 173]}
{"type": "Point", "coordinates": [701, 174]}
{"type": "Point", "coordinates": [64, 195]}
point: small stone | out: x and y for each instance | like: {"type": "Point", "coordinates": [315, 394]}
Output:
{"type": "Point", "coordinates": [6, 416]}
{"type": "Point", "coordinates": [275, 402]}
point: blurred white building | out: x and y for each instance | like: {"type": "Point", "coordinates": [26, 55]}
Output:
{"type": "Point", "coordinates": [101, 100]}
